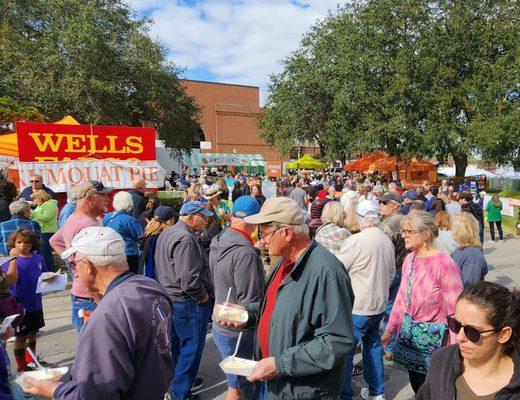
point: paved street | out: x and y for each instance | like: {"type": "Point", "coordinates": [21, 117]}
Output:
{"type": "Point", "coordinates": [57, 341]}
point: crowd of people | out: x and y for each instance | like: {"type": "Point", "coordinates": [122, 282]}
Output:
{"type": "Point", "coordinates": [318, 267]}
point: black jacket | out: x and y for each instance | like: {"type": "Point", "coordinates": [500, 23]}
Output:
{"type": "Point", "coordinates": [446, 367]}
{"type": "Point", "coordinates": [476, 211]}
{"type": "Point", "coordinates": [139, 202]}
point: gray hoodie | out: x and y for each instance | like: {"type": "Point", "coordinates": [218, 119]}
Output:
{"type": "Point", "coordinates": [235, 263]}
{"type": "Point", "coordinates": [124, 348]}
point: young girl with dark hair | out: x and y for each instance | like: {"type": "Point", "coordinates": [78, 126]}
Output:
{"type": "Point", "coordinates": [23, 243]}
{"type": "Point", "coordinates": [485, 362]}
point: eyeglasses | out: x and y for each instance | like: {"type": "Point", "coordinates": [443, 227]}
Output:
{"type": "Point", "coordinates": [385, 203]}
{"type": "Point", "coordinates": [34, 181]}
{"type": "Point", "coordinates": [267, 235]}
{"type": "Point", "coordinates": [408, 232]}
{"type": "Point", "coordinates": [75, 263]}
{"type": "Point", "coordinates": [473, 334]}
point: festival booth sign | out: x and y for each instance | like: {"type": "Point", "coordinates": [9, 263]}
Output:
{"type": "Point", "coordinates": [66, 155]}
{"type": "Point", "coordinates": [197, 161]}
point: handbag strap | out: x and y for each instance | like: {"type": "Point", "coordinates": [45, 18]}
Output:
{"type": "Point", "coordinates": [409, 285]}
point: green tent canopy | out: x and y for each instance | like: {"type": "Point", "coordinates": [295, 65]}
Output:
{"type": "Point", "coordinates": [306, 162]}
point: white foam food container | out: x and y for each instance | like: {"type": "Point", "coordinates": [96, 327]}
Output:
{"type": "Point", "coordinates": [237, 366]}
{"type": "Point", "coordinates": [230, 313]}
{"type": "Point", "coordinates": [52, 373]}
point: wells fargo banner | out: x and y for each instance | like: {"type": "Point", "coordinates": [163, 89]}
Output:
{"type": "Point", "coordinates": [55, 142]}
{"type": "Point", "coordinates": [60, 176]}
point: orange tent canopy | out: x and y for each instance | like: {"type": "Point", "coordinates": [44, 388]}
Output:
{"type": "Point", "coordinates": [9, 141]}
{"type": "Point", "coordinates": [361, 164]}
{"type": "Point", "coordinates": [390, 163]}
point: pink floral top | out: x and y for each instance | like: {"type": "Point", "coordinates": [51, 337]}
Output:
{"type": "Point", "coordinates": [436, 285]}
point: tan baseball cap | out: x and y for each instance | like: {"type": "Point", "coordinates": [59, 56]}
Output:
{"type": "Point", "coordinates": [89, 188]}
{"type": "Point", "coordinates": [277, 209]}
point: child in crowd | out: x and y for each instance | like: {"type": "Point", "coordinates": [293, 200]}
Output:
{"type": "Point", "coordinates": [22, 243]}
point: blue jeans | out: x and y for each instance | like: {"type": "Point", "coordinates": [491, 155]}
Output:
{"type": "Point", "coordinates": [226, 343]}
{"type": "Point", "coordinates": [189, 320]}
{"type": "Point", "coordinates": [46, 251]}
{"type": "Point", "coordinates": [394, 288]}
{"type": "Point", "coordinates": [80, 304]}
{"type": "Point", "coordinates": [366, 328]}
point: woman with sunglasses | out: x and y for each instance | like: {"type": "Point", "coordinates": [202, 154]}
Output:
{"type": "Point", "coordinates": [435, 283]}
{"type": "Point", "coordinates": [485, 362]}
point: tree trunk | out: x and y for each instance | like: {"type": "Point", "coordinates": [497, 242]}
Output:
{"type": "Point", "coordinates": [461, 162]}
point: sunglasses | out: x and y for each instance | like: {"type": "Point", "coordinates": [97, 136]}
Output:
{"type": "Point", "coordinates": [34, 181]}
{"type": "Point", "coordinates": [473, 334]}
{"type": "Point", "coordinates": [385, 203]}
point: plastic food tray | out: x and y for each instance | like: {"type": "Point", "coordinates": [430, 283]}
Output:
{"type": "Point", "coordinates": [245, 369]}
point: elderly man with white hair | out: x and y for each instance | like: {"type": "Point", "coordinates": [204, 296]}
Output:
{"type": "Point", "coordinates": [124, 349]}
{"type": "Point", "coordinates": [20, 211]}
{"type": "Point", "coordinates": [304, 321]}
{"type": "Point", "coordinates": [122, 221]}
{"type": "Point", "coordinates": [370, 261]}
{"type": "Point", "coordinates": [137, 193]}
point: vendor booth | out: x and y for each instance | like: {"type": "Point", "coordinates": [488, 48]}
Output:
{"type": "Point", "coordinates": [200, 163]}
{"type": "Point", "coordinates": [67, 153]}
{"type": "Point", "coordinates": [408, 171]}
{"type": "Point", "coordinates": [306, 162]}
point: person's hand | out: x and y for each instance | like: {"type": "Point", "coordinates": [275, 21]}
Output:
{"type": "Point", "coordinates": [264, 370]}
{"type": "Point", "coordinates": [41, 387]}
{"type": "Point", "coordinates": [8, 333]}
{"type": "Point", "coordinates": [14, 252]}
{"type": "Point", "coordinates": [385, 338]}
{"type": "Point", "coordinates": [233, 324]}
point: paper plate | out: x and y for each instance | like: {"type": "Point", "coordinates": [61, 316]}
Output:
{"type": "Point", "coordinates": [237, 366]}
{"type": "Point", "coordinates": [52, 373]}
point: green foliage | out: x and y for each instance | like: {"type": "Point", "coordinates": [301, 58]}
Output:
{"type": "Point", "coordinates": [509, 194]}
{"type": "Point", "coordinates": [410, 77]}
{"type": "Point", "coordinates": [94, 60]}
{"type": "Point", "coordinates": [11, 111]}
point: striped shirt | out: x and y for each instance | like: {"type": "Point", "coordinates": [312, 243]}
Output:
{"type": "Point", "coordinates": [8, 227]}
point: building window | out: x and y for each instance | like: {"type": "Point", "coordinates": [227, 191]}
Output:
{"type": "Point", "coordinates": [199, 137]}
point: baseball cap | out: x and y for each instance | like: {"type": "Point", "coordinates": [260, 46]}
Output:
{"type": "Point", "coordinates": [95, 241]}
{"type": "Point", "coordinates": [366, 207]}
{"type": "Point", "coordinates": [89, 188]}
{"type": "Point", "coordinates": [391, 196]}
{"type": "Point", "coordinates": [245, 206]}
{"type": "Point", "coordinates": [193, 207]}
{"type": "Point", "coordinates": [277, 209]}
{"type": "Point", "coordinates": [411, 194]}
{"type": "Point", "coordinates": [165, 213]}
{"type": "Point", "coordinates": [378, 189]}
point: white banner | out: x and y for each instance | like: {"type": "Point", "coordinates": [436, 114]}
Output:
{"type": "Point", "coordinates": [507, 208]}
{"type": "Point", "coordinates": [59, 176]}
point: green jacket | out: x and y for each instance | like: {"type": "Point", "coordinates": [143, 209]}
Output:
{"type": "Point", "coordinates": [47, 216]}
{"type": "Point", "coordinates": [494, 212]}
{"type": "Point", "coordinates": [311, 330]}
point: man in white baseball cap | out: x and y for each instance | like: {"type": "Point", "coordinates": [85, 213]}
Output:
{"type": "Point", "coordinates": [124, 348]}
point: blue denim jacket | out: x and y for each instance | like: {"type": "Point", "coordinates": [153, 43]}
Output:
{"type": "Point", "coordinates": [128, 227]}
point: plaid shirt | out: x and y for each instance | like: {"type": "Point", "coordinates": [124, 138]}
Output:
{"type": "Point", "coordinates": [8, 227]}
{"type": "Point", "coordinates": [331, 236]}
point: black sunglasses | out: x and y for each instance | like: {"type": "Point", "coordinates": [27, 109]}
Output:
{"type": "Point", "coordinates": [473, 334]}
{"type": "Point", "coordinates": [34, 181]}
{"type": "Point", "coordinates": [384, 202]}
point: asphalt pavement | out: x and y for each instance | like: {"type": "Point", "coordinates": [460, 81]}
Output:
{"type": "Point", "coordinates": [57, 341]}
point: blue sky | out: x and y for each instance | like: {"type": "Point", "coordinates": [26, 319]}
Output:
{"type": "Point", "coordinates": [232, 41]}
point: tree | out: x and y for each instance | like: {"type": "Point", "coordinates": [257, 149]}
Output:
{"type": "Point", "coordinates": [10, 112]}
{"type": "Point", "coordinates": [410, 77]}
{"type": "Point", "coordinates": [92, 59]}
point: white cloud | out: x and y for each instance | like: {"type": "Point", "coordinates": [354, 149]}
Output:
{"type": "Point", "coordinates": [237, 41]}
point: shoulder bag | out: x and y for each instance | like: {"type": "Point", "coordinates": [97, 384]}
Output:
{"type": "Point", "coordinates": [417, 340]}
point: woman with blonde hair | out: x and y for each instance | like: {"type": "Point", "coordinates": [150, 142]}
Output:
{"type": "Point", "coordinates": [351, 217]}
{"type": "Point", "coordinates": [444, 242]}
{"type": "Point", "coordinates": [164, 217]}
{"type": "Point", "coordinates": [46, 214]}
{"type": "Point", "coordinates": [429, 289]}
{"type": "Point", "coordinates": [332, 234]}
{"type": "Point", "coordinates": [468, 255]}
